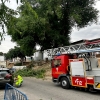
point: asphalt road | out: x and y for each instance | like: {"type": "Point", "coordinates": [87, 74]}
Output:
{"type": "Point", "coordinates": [38, 89]}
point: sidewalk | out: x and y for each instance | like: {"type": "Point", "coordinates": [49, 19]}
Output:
{"type": "Point", "coordinates": [2, 94]}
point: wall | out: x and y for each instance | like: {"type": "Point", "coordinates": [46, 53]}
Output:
{"type": "Point", "coordinates": [45, 55]}
{"type": "Point", "coordinates": [38, 56]}
{"type": "Point", "coordinates": [2, 58]}
{"type": "Point", "coordinates": [41, 56]}
{"type": "Point", "coordinates": [19, 67]}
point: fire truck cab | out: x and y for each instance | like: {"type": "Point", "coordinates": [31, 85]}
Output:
{"type": "Point", "coordinates": [79, 70]}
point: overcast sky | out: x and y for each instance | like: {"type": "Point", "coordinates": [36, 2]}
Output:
{"type": "Point", "coordinates": [90, 32]}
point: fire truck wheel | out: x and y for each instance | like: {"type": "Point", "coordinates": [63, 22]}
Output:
{"type": "Point", "coordinates": [65, 83]}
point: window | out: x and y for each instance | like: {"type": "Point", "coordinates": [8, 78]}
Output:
{"type": "Point", "coordinates": [56, 62]}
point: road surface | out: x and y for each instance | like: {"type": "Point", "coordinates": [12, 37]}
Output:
{"type": "Point", "coordinates": [38, 89]}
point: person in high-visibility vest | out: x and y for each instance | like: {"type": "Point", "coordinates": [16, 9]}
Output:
{"type": "Point", "coordinates": [18, 81]}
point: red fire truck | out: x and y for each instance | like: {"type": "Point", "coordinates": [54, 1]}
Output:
{"type": "Point", "coordinates": [76, 65]}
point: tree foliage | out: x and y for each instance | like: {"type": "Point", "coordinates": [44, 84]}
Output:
{"type": "Point", "coordinates": [24, 29]}
{"type": "Point", "coordinates": [49, 23]}
{"type": "Point", "coordinates": [1, 53]}
{"type": "Point", "coordinates": [62, 16]}
{"type": "Point", "coordinates": [14, 53]}
{"type": "Point", "coordinates": [5, 15]}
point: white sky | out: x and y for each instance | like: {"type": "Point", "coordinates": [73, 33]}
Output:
{"type": "Point", "coordinates": [7, 44]}
{"type": "Point", "coordinates": [90, 32]}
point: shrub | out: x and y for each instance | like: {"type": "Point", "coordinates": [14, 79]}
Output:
{"type": "Point", "coordinates": [31, 73]}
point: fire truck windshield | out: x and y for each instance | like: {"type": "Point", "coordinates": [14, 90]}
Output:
{"type": "Point", "coordinates": [56, 62]}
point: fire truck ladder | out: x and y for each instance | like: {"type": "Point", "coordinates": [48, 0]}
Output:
{"type": "Point", "coordinates": [78, 48]}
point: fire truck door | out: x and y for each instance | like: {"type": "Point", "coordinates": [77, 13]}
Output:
{"type": "Point", "coordinates": [77, 73]}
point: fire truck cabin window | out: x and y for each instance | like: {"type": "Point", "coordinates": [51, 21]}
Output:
{"type": "Point", "coordinates": [57, 62]}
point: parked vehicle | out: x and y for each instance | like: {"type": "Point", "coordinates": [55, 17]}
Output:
{"type": "Point", "coordinates": [6, 77]}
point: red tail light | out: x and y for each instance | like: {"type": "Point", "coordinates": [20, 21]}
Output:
{"type": "Point", "coordinates": [8, 76]}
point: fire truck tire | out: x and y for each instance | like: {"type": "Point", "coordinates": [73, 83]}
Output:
{"type": "Point", "coordinates": [65, 83]}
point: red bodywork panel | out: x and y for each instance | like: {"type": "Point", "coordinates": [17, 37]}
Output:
{"type": "Point", "coordinates": [79, 81]}
{"type": "Point", "coordinates": [82, 81]}
{"type": "Point", "coordinates": [90, 80]}
{"type": "Point", "coordinates": [62, 68]}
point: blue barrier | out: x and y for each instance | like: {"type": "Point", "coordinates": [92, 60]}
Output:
{"type": "Point", "coordinates": [12, 93]}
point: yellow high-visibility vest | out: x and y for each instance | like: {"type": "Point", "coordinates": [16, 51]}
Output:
{"type": "Point", "coordinates": [19, 81]}
{"type": "Point", "coordinates": [20, 78]}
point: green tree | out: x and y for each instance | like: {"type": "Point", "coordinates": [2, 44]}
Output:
{"type": "Point", "coordinates": [49, 23]}
{"type": "Point", "coordinates": [24, 29]}
{"type": "Point", "coordinates": [5, 15]}
{"type": "Point", "coordinates": [1, 53]}
{"type": "Point", "coordinates": [14, 53]}
{"type": "Point", "coordinates": [62, 16]}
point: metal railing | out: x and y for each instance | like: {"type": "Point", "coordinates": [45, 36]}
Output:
{"type": "Point", "coordinates": [11, 93]}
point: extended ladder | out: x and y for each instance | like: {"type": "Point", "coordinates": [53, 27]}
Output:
{"type": "Point", "coordinates": [78, 48]}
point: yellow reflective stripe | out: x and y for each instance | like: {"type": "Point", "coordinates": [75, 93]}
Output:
{"type": "Point", "coordinates": [98, 85]}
